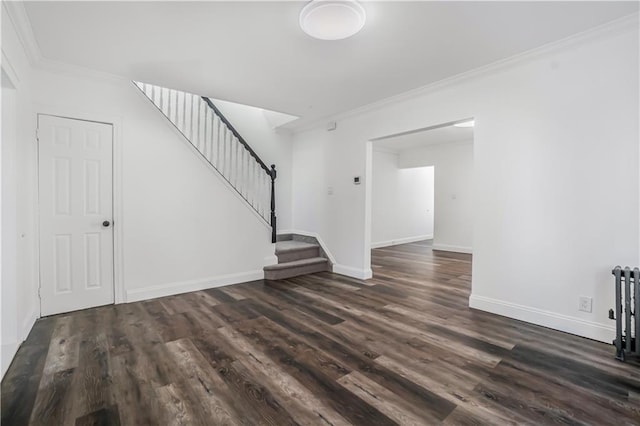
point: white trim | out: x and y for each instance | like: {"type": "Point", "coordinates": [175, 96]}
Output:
{"type": "Point", "coordinates": [362, 274]}
{"type": "Point", "coordinates": [22, 24]}
{"type": "Point", "coordinates": [406, 240]}
{"type": "Point", "coordinates": [169, 289]}
{"type": "Point", "coordinates": [18, 15]}
{"type": "Point", "coordinates": [27, 324]}
{"type": "Point", "coordinates": [452, 248]}
{"type": "Point", "coordinates": [8, 352]}
{"type": "Point", "coordinates": [10, 70]}
{"type": "Point", "coordinates": [626, 23]}
{"type": "Point", "coordinates": [119, 294]}
{"type": "Point", "coordinates": [565, 323]}
{"type": "Point", "coordinates": [314, 235]}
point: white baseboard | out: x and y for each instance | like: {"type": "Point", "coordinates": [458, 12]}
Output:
{"type": "Point", "coordinates": [27, 325]}
{"type": "Point", "coordinates": [169, 289]}
{"type": "Point", "coordinates": [314, 235]}
{"type": "Point", "coordinates": [565, 323]}
{"type": "Point", "coordinates": [361, 274]}
{"type": "Point", "coordinates": [8, 351]}
{"type": "Point", "coordinates": [406, 240]}
{"type": "Point", "coordinates": [456, 249]}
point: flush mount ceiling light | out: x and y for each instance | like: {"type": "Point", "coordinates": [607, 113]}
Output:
{"type": "Point", "coordinates": [332, 19]}
{"type": "Point", "coordinates": [469, 123]}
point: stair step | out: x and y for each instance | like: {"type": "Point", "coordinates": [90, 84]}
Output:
{"type": "Point", "coordinates": [290, 251]}
{"type": "Point", "coordinates": [296, 263]}
{"type": "Point", "coordinates": [295, 268]}
{"type": "Point", "coordinates": [291, 245]}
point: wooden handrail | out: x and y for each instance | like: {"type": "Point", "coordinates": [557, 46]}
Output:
{"type": "Point", "coordinates": [236, 134]}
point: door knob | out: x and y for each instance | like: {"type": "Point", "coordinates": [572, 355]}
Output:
{"type": "Point", "coordinates": [106, 223]}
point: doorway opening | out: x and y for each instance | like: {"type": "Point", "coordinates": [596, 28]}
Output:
{"type": "Point", "coordinates": [421, 189]}
{"type": "Point", "coordinates": [402, 201]}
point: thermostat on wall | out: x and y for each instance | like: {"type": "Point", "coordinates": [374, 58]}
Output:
{"type": "Point", "coordinates": [356, 180]}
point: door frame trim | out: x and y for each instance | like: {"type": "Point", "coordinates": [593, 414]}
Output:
{"type": "Point", "coordinates": [119, 294]}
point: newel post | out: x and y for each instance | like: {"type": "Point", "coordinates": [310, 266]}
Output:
{"type": "Point", "coordinates": [273, 203]}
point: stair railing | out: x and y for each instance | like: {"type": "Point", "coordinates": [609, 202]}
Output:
{"type": "Point", "coordinates": [205, 127]}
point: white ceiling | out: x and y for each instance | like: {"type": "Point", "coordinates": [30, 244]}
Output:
{"type": "Point", "coordinates": [448, 134]}
{"type": "Point", "coordinates": [254, 52]}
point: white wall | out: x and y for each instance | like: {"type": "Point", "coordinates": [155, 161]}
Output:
{"type": "Point", "coordinates": [402, 201]}
{"type": "Point", "coordinates": [19, 274]}
{"type": "Point", "coordinates": [555, 152]}
{"type": "Point", "coordinates": [453, 230]}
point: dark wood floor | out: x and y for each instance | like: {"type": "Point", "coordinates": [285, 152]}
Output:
{"type": "Point", "coordinates": [402, 348]}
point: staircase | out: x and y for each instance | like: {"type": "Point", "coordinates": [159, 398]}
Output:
{"type": "Point", "coordinates": [297, 255]}
{"type": "Point", "coordinates": [212, 136]}
{"type": "Point", "coordinates": [217, 141]}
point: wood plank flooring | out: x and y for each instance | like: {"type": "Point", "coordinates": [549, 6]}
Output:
{"type": "Point", "coordinates": [402, 348]}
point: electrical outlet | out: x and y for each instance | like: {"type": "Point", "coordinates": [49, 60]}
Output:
{"type": "Point", "coordinates": [586, 304]}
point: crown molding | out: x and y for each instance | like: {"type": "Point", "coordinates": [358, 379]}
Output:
{"type": "Point", "coordinates": [18, 15]}
{"type": "Point", "coordinates": [609, 29]}
{"type": "Point", "coordinates": [9, 69]}
{"type": "Point", "coordinates": [65, 68]}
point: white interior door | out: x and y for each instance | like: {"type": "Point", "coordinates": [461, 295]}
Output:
{"type": "Point", "coordinates": [76, 205]}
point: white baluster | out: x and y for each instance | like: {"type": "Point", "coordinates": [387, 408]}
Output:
{"type": "Point", "coordinates": [239, 165]}
{"type": "Point", "coordinates": [199, 123]}
{"type": "Point", "coordinates": [229, 153]}
{"type": "Point", "coordinates": [230, 163]}
{"type": "Point", "coordinates": [184, 112]}
{"type": "Point", "coordinates": [210, 140]}
{"type": "Point", "coordinates": [245, 185]}
{"type": "Point", "coordinates": [178, 113]}
{"type": "Point", "coordinates": [239, 169]}
{"type": "Point", "coordinates": [258, 188]}
{"type": "Point", "coordinates": [262, 186]}
{"type": "Point", "coordinates": [214, 139]}
{"type": "Point", "coordinates": [236, 155]}
{"type": "Point", "coordinates": [249, 186]}
{"type": "Point", "coordinates": [236, 151]}
{"type": "Point", "coordinates": [223, 167]}
{"type": "Point", "coordinates": [174, 106]}
{"type": "Point", "coordinates": [264, 204]}
{"type": "Point", "coordinates": [169, 95]}
{"type": "Point", "coordinates": [232, 148]}
{"type": "Point", "coordinates": [190, 109]}
{"type": "Point", "coordinates": [254, 183]}
{"type": "Point", "coordinates": [207, 130]}
{"type": "Point", "coordinates": [218, 140]}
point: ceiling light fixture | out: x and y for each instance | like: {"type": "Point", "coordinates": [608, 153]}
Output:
{"type": "Point", "coordinates": [469, 123]}
{"type": "Point", "coordinates": [332, 19]}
